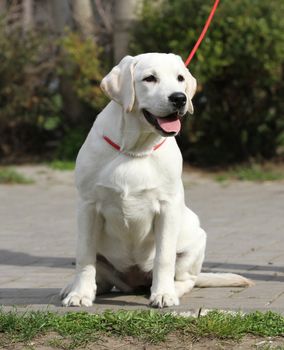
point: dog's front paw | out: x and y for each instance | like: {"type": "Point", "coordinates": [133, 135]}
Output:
{"type": "Point", "coordinates": [78, 294]}
{"type": "Point", "coordinates": [161, 300]}
{"type": "Point", "coordinates": [75, 299]}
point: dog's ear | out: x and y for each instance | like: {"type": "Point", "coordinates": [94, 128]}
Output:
{"type": "Point", "coordinates": [190, 89]}
{"type": "Point", "coordinates": [119, 84]}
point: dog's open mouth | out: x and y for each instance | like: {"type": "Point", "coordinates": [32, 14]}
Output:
{"type": "Point", "coordinates": [169, 125]}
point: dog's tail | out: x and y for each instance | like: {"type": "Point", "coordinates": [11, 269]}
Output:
{"type": "Point", "coordinates": [222, 280]}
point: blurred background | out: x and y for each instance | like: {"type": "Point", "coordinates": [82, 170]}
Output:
{"type": "Point", "coordinates": [53, 55]}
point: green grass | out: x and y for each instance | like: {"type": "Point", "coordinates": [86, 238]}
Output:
{"type": "Point", "coordinates": [62, 165]}
{"type": "Point", "coordinates": [78, 329]}
{"type": "Point", "coordinates": [250, 173]}
{"type": "Point", "coordinates": [11, 176]}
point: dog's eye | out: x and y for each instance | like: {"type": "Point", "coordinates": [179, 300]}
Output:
{"type": "Point", "coordinates": [150, 79]}
{"type": "Point", "coordinates": [180, 78]}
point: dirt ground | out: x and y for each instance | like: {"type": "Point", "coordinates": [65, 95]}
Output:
{"type": "Point", "coordinates": [178, 342]}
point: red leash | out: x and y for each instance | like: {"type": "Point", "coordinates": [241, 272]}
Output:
{"type": "Point", "coordinates": [202, 33]}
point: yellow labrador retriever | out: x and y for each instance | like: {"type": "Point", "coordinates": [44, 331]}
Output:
{"type": "Point", "coordinates": [134, 229]}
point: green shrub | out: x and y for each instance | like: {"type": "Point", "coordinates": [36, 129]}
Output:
{"type": "Point", "coordinates": [80, 61]}
{"type": "Point", "coordinates": [28, 108]}
{"type": "Point", "coordinates": [80, 67]}
{"type": "Point", "coordinates": [239, 106]}
{"type": "Point", "coordinates": [36, 110]}
{"type": "Point", "coordinates": [71, 144]}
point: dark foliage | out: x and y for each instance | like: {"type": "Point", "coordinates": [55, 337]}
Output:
{"type": "Point", "coordinates": [239, 106]}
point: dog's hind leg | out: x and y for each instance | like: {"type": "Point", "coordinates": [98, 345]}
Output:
{"type": "Point", "coordinates": [108, 277]}
{"type": "Point", "coordinates": [189, 259]}
{"type": "Point", "coordinates": [188, 267]}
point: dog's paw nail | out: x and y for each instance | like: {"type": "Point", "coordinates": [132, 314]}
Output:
{"type": "Point", "coordinates": [163, 300]}
{"type": "Point", "coordinates": [74, 299]}
{"type": "Point", "coordinates": [86, 302]}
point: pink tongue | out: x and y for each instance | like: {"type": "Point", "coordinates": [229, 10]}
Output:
{"type": "Point", "coordinates": [169, 124]}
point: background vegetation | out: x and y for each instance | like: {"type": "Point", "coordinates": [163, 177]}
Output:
{"type": "Point", "coordinates": [49, 93]}
{"type": "Point", "coordinates": [239, 106]}
{"type": "Point", "coordinates": [51, 65]}
{"type": "Point", "coordinates": [49, 79]}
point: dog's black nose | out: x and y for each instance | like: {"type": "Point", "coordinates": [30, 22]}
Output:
{"type": "Point", "coordinates": [178, 99]}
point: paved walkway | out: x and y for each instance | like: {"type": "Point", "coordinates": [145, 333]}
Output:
{"type": "Point", "coordinates": [244, 221]}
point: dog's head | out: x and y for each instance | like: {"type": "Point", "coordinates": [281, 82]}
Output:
{"type": "Point", "coordinates": [158, 85]}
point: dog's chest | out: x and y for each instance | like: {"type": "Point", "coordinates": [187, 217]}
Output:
{"type": "Point", "coordinates": [128, 213]}
{"type": "Point", "coordinates": [129, 196]}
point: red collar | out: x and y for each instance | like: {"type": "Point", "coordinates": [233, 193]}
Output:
{"type": "Point", "coordinates": [118, 148]}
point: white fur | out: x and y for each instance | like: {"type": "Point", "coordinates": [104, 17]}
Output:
{"type": "Point", "coordinates": [131, 203]}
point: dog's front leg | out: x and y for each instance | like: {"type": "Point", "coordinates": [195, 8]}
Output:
{"type": "Point", "coordinates": [166, 229]}
{"type": "Point", "coordinates": [82, 291]}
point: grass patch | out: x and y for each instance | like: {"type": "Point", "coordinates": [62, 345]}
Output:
{"type": "Point", "coordinates": [11, 176]}
{"type": "Point", "coordinates": [78, 329]}
{"type": "Point", "coordinates": [250, 173]}
{"type": "Point", "coordinates": [62, 165]}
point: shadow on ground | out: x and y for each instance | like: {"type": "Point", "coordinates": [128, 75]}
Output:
{"type": "Point", "coordinates": [50, 296]}
{"type": "Point", "coordinates": [255, 272]}
{"type": "Point", "coordinates": [13, 258]}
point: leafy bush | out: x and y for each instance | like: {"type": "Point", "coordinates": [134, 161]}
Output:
{"type": "Point", "coordinates": [71, 143]}
{"type": "Point", "coordinates": [80, 68]}
{"type": "Point", "coordinates": [27, 105]}
{"type": "Point", "coordinates": [239, 106]}
{"type": "Point", "coordinates": [35, 109]}
{"type": "Point", "coordinates": [80, 62]}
